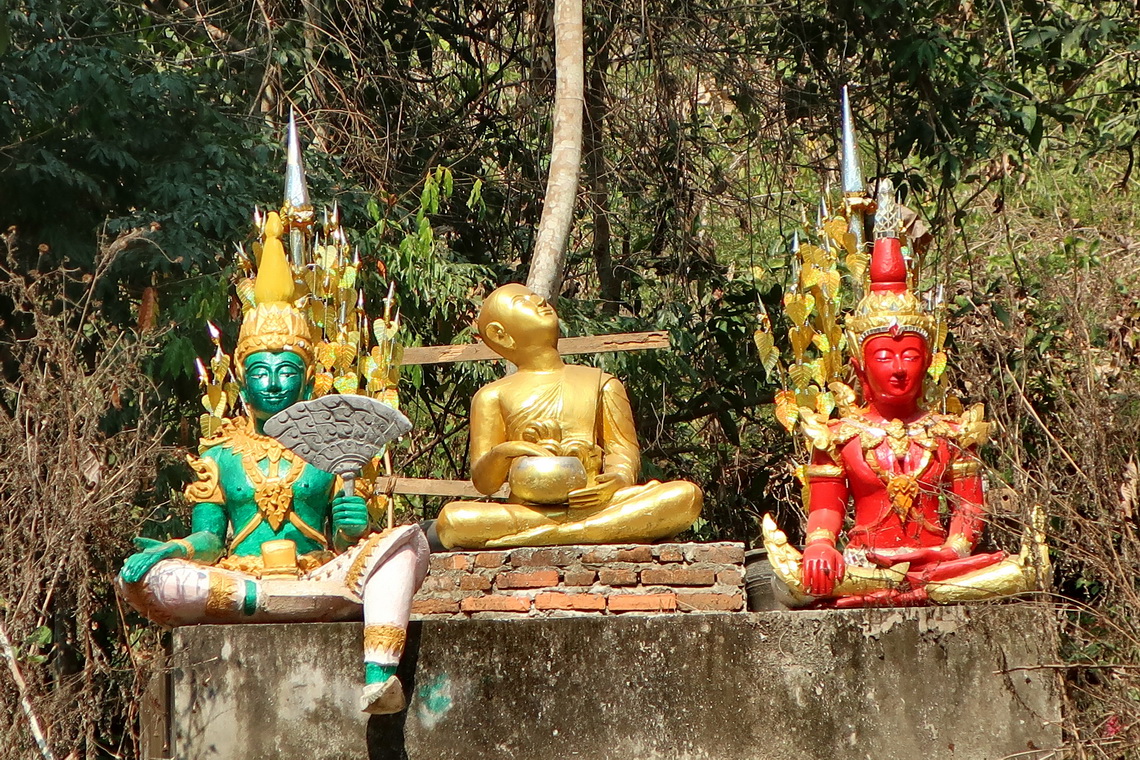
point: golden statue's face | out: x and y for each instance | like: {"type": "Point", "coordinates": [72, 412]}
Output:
{"type": "Point", "coordinates": [513, 317]}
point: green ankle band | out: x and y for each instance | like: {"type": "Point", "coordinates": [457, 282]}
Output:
{"type": "Point", "coordinates": [374, 672]}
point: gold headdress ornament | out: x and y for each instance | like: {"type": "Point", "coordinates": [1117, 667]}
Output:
{"type": "Point", "coordinates": [816, 380]}
{"type": "Point", "coordinates": [307, 297]}
{"type": "Point", "coordinates": [274, 323]}
{"type": "Point", "coordinates": [889, 306]}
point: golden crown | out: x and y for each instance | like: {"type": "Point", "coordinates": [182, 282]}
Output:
{"type": "Point", "coordinates": [888, 312]}
{"type": "Point", "coordinates": [274, 323]}
{"type": "Point", "coordinates": [274, 327]}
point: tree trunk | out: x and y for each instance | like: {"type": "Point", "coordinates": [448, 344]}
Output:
{"type": "Point", "coordinates": [565, 154]}
{"type": "Point", "coordinates": [609, 285]}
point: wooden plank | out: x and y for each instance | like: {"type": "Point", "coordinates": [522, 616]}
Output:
{"type": "Point", "coordinates": [462, 489]}
{"type": "Point", "coordinates": [587, 344]}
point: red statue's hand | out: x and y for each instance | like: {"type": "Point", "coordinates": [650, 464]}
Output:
{"type": "Point", "coordinates": [823, 568]}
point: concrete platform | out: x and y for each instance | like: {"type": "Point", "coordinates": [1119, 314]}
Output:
{"type": "Point", "coordinates": [955, 682]}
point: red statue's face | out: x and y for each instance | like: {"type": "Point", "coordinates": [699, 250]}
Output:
{"type": "Point", "coordinates": [893, 370]}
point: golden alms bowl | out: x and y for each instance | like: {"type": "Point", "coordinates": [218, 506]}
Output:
{"type": "Point", "coordinates": [546, 480]}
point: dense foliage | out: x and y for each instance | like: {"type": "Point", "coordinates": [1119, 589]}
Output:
{"type": "Point", "coordinates": [710, 133]}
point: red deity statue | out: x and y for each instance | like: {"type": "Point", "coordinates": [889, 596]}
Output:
{"type": "Point", "coordinates": [911, 475]}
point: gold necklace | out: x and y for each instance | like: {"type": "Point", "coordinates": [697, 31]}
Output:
{"type": "Point", "coordinates": [902, 488]}
{"type": "Point", "coordinates": [272, 492]}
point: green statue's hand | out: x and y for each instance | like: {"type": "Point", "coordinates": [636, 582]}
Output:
{"type": "Point", "coordinates": [152, 552]}
{"type": "Point", "coordinates": [350, 515]}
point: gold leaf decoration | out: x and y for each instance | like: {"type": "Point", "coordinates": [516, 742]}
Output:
{"type": "Point", "coordinates": [345, 355]}
{"type": "Point", "coordinates": [210, 425]}
{"type": "Point", "coordinates": [937, 365]}
{"type": "Point", "coordinates": [821, 342]}
{"type": "Point", "coordinates": [245, 294]}
{"type": "Point", "coordinates": [214, 396]}
{"type": "Point", "coordinates": [322, 384]}
{"type": "Point", "coordinates": [348, 278]}
{"type": "Point", "coordinates": [816, 369]}
{"type": "Point", "coordinates": [814, 255]}
{"type": "Point", "coordinates": [836, 229]}
{"type": "Point", "coordinates": [850, 243]}
{"type": "Point", "coordinates": [347, 383]}
{"type": "Point", "coordinates": [799, 306]}
{"type": "Point", "coordinates": [220, 365]}
{"type": "Point", "coordinates": [801, 338]}
{"type": "Point", "coordinates": [233, 391]}
{"type": "Point", "coordinates": [810, 276]}
{"type": "Point", "coordinates": [829, 280]}
{"type": "Point", "coordinates": [326, 353]}
{"type": "Point", "coordinates": [801, 375]}
{"type": "Point", "coordinates": [369, 366]}
{"type": "Point", "coordinates": [786, 410]}
{"type": "Point", "coordinates": [766, 347]}
{"type": "Point", "coordinates": [319, 313]}
{"type": "Point", "coordinates": [857, 264]}
{"type": "Point", "coordinates": [326, 256]}
{"type": "Point", "coordinates": [825, 403]}
{"type": "Point", "coordinates": [311, 279]}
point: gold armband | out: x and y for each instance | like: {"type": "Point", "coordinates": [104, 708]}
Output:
{"type": "Point", "coordinates": [824, 471]}
{"type": "Point", "coordinates": [208, 487]}
{"type": "Point", "coordinates": [186, 547]}
{"type": "Point", "coordinates": [965, 468]}
{"type": "Point", "coordinates": [820, 534]}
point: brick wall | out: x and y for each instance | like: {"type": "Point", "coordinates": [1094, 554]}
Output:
{"type": "Point", "coordinates": [583, 580]}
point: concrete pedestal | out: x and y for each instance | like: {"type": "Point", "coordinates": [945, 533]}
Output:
{"type": "Point", "coordinates": [954, 682]}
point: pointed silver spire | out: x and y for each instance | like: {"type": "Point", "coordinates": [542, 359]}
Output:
{"type": "Point", "coordinates": [296, 211]}
{"type": "Point", "coordinates": [855, 199]}
{"type": "Point", "coordinates": [296, 191]}
{"type": "Point", "coordinates": [851, 170]}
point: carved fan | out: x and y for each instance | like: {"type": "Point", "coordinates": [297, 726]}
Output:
{"type": "Point", "coordinates": [338, 433]}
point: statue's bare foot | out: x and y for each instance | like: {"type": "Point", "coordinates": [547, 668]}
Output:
{"type": "Point", "coordinates": [383, 698]}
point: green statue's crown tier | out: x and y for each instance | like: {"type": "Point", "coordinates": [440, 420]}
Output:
{"type": "Point", "coordinates": [274, 327]}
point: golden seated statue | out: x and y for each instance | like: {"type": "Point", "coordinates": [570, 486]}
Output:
{"type": "Point", "coordinates": [563, 437]}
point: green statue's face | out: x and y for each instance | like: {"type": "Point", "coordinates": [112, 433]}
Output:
{"type": "Point", "coordinates": [273, 381]}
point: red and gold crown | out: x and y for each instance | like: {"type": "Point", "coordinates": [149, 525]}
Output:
{"type": "Point", "coordinates": [889, 306]}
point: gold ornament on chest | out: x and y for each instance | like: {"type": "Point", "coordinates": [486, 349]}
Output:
{"type": "Point", "coordinates": [902, 487]}
{"type": "Point", "coordinates": [272, 491]}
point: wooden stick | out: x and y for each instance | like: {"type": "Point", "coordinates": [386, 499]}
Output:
{"type": "Point", "coordinates": [588, 344]}
{"type": "Point", "coordinates": [22, 688]}
{"type": "Point", "coordinates": [391, 501]}
{"type": "Point", "coordinates": [431, 487]}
